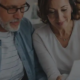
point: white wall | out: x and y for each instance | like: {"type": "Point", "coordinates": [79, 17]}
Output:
{"type": "Point", "coordinates": [28, 13]}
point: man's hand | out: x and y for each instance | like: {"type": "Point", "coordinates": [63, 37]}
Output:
{"type": "Point", "coordinates": [59, 78]}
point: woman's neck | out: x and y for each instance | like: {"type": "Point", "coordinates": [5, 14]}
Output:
{"type": "Point", "coordinates": [62, 32]}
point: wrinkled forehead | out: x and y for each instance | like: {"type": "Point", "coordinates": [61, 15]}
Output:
{"type": "Point", "coordinates": [13, 2]}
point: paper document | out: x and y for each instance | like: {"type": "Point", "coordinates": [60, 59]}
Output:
{"type": "Point", "coordinates": [75, 71]}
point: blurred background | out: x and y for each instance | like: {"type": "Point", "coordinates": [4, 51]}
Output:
{"type": "Point", "coordinates": [32, 13]}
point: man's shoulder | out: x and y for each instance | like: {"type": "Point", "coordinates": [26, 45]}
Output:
{"type": "Point", "coordinates": [25, 22]}
{"type": "Point", "coordinates": [26, 25]}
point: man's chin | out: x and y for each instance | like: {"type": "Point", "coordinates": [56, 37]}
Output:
{"type": "Point", "coordinates": [13, 28]}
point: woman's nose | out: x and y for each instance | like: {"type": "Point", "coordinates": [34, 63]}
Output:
{"type": "Point", "coordinates": [59, 16]}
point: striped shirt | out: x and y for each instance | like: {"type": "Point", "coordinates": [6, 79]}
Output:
{"type": "Point", "coordinates": [11, 65]}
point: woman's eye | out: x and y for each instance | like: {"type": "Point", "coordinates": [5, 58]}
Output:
{"type": "Point", "coordinates": [64, 9]}
{"type": "Point", "coordinates": [51, 12]}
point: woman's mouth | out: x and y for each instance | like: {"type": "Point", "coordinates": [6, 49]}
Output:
{"type": "Point", "coordinates": [60, 23]}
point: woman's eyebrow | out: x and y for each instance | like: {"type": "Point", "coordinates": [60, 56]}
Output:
{"type": "Point", "coordinates": [55, 9]}
{"type": "Point", "coordinates": [51, 9]}
{"type": "Point", "coordinates": [64, 6]}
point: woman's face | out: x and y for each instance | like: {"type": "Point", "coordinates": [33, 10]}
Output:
{"type": "Point", "coordinates": [59, 13]}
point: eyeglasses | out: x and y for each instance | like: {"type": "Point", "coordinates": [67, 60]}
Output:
{"type": "Point", "coordinates": [14, 9]}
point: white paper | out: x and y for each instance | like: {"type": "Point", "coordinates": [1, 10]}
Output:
{"type": "Point", "coordinates": [75, 71]}
{"type": "Point", "coordinates": [64, 76]}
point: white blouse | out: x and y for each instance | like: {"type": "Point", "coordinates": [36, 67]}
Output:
{"type": "Point", "coordinates": [54, 59]}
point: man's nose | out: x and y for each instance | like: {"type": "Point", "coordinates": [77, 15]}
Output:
{"type": "Point", "coordinates": [18, 14]}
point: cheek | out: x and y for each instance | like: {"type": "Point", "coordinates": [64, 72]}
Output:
{"type": "Point", "coordinates": [22, 15]}
{"type": "Point", "coordinates": [68, 14]}
{"type": "Point", "coordinates": [6, 18]}
{"type": "Point", "coordinates": [51, 20]}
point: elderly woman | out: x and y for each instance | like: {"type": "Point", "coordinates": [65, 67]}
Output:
{"type": "Point", "coordinates": [57, 43]}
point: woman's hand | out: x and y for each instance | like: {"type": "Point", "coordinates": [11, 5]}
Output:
{"type": "Point", "coordinates": [59, 78]}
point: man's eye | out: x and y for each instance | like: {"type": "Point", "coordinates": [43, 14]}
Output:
{"type": "Point", "coordinates": [11, 7]}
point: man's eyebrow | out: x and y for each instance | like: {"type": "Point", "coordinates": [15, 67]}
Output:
{"type": "Point", "coordinates": [15, 5]}
{"type": "Point", "coordinates": [24, 3]}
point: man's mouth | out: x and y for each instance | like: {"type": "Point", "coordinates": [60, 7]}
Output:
{"type": "Point", "coordinates": [16, 23]}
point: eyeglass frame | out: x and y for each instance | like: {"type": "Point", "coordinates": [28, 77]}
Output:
{"type": "Point", "coordinates": [16, 8]}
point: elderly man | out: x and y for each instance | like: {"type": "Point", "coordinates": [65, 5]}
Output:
{"type": "Point", "coordinates": [16, 50]}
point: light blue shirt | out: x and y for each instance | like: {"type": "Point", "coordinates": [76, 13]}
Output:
{"type": "Point", "coordinates": [23, 42]}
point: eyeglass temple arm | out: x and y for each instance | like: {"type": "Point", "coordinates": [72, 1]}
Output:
{"type": "Point", "coordinates": [3, 6]}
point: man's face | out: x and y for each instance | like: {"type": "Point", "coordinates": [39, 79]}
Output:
{"type": "Point", "coordinates": [11, 21]}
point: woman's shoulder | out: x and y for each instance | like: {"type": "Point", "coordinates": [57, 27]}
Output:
{"type": "Point", "coordinates": [77, 22]}
{"type": "Point", "coordinates": [43, 29]}
{"type": "Point", "coordinates": [77, 26]}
